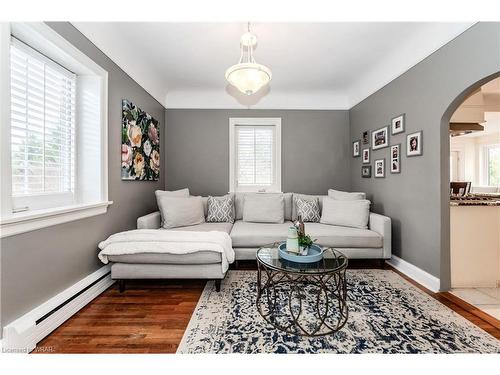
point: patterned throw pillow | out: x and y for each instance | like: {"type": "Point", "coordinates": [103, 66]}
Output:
{"type": "Point", "coordinates": [308, 209]}
{"type": "Point", "coordinates": [220, 209]}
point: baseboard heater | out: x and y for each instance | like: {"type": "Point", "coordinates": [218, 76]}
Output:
{"type": "Point", "coordinates": [23, 334]}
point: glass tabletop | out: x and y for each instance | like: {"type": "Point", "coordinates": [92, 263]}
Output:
{"type": "Point", "coordinates": [333, 260]}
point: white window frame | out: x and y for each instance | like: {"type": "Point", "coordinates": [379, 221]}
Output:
{"type": "Point", "coordinates": [48, 42]}
{"type": "Point", "coordinates": [485, 155]}
{"type": "Point", "coordinates": [255, 121]}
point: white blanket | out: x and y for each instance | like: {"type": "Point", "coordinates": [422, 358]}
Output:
{"type": "Point", "coordinates": [140, 241]}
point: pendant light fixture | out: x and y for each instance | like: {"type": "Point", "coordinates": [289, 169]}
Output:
{"type": "Point", "coordinates": [248, 76]}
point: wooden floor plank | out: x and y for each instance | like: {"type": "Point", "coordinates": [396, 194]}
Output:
{"type": "Point", "coordinates": [151, 317]}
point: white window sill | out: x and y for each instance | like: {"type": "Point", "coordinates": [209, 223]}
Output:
{"type": "Point", "coordinates": [29, 221]}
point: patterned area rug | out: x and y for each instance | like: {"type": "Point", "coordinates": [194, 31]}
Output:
{"type": "Point", "coordinates": [386, 315]}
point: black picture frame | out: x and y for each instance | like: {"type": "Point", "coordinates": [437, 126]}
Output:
{"type": "Point", "coordinates": [419, 137]}
{"type": "Point", "coordinates": [367, 159]}
{"type": "Point", "coordinates": [375, 173]}
{"type": "Point", "coordinates": [365, 138]}
{"type": "Point", "coordinates": [356, 148]}
{"type": "Point", "coordinates": [375, 143]}
{"type": "Point", "coordinates": [366, 171]}
{"type": "Point", "coordinates": [395, 159]}
{"type": "Point", "coordinates": [399, 119]}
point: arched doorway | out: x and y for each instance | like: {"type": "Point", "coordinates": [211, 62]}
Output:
{"type": "Point", "coordinates": [445, 268]}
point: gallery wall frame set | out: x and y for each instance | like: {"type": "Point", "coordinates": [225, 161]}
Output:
{"type": "Point", "coordinates": [379, 168]}
{"type": "Point", "coordinates": [356, 148]}
{"type": "Point", "coordinates": [398, 124]}
{"type": "Point", "coordinates": [395, 157]}
{"type": "Point", "coordinates": [380, 138]}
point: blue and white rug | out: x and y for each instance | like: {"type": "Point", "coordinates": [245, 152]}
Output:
{"type": "Point", "coordinates": [386, 315]}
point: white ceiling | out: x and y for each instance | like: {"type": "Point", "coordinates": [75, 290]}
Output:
{"type": "Point", "coordinates": [314, 65]}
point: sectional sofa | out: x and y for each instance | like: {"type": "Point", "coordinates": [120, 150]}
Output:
{"type": "Point", "coordinates": [371, 243]}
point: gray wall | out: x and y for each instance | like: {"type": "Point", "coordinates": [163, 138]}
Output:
{"type": "Point", "coordinates": [417, 199]}
{"type": "Point", "coordinates": [37, 265]}
{"type": "Point", "coordinates": [315, 149]}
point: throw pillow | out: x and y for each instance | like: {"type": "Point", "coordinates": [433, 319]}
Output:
{"type": "Point", "coordinates": [220, 209]}
{"type": "Point", "coordinates": [308, 209]}
{"type": "Point", "coordinates": [181, 212]}
{"type": "Point", "coordinates": [264, 208]}
{"type": "Point", "coordinates": [306, 197]}
{"type": "Point", "coordinates": [353, 213]}
{"type": "Point", "coordinates": [345, 196]}
{"type": "Point", "coordinates": [174, 193]}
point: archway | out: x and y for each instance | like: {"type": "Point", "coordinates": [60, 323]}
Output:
{"type": "Point", "coordinates": [445, 267]}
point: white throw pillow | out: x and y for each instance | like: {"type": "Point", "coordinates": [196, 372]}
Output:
{"type": "Point", "coordinates": [346, 213]}
{"type": "Point", "coordinates": [173, 193]}
{"type": "Point", "coordinates": [264, 208]}
{"type": "Point", "coordinates": [181, 212]}
{"type": "Point", "coordinates": [345, 196]}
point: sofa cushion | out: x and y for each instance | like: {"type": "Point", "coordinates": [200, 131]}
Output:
{"type": "Point", "coordinates": [207, 227]}
{"type": "Point", "coordinates": [346, 213]}
{"type": "Point", "coordinates": [246, 234]}
{"type": "Point", "coordinates": [179, 211]}
{"type": "Point", "coordinates": [345, 196]}
{"type": "Point", "coordinates": [337, 236]}
{"type": "Point", "coordinates": [239, 199]}
{"type": "Point", "coordinates": [199, 257]}
{"type": "Point", "coordinates": [306, 197]}
{"type": "Point", "coordinates": [264, 208]}
{"type": "Point", "coordinates": [220, 209]}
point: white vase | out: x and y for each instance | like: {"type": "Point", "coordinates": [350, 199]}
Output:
{"type": "Point", "coordinates": [292, 241]}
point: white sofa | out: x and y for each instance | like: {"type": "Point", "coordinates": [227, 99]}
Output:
{"type": "Point", "coordinates": [247, 237]}
{"type": "Point", "coordinates": [371, 243]}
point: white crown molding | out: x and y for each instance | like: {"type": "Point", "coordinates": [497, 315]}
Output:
{"type": "Point", "coordinates": [413, 272]}
{"type": "Point", "coordinates": [399, 62]}
{"type": "Point", "coordinates": [227, 99]}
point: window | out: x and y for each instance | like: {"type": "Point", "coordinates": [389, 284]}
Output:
{"type": "Point", "coordinates": [255, 154]}
{"type": "Point", "coordinates": [53, 101]}
{"type": "Point", "coordinates": [42, 97]}
{"type": "Point", "coordinates": [492, 159]}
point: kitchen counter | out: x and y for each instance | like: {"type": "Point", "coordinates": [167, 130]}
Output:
{"type": "Point", "coordinates": [476, 200]}
{"type": "Point", "coordinates": [475, 245]}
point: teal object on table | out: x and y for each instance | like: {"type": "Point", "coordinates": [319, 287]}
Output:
{"type": "Point", "coordinates": [314, 254]}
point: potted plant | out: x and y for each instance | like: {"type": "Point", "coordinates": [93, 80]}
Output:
{"type": "Point", "coordinates": [305, 243]}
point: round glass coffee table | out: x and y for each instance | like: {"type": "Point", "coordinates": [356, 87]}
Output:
{"type": "Point", "coordinates": [307, 299]}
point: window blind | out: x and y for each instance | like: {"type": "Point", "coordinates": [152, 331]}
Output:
{"type": "Point", "coordinates": [42, 123]}
{"type": "Point", "coordinates": [254, 155]}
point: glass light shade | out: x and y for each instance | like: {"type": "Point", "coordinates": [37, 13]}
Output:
{"type": "Point", "coordinates": [248, 77]}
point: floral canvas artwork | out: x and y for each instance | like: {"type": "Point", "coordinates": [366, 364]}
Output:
{"type": "Point", "coordinates": [140, 144]}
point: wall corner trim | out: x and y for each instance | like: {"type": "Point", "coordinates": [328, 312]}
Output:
{"type": "Point", "coordinates": [422, 277]}
{"type": "Point", "coordinates": [22, 335]}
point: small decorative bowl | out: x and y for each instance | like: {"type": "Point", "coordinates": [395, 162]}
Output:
{"type": "Point", "coordinates": [314, 254]}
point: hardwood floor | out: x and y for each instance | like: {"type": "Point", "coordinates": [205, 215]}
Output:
{"type": "Point", "coordinates": [151, 316]}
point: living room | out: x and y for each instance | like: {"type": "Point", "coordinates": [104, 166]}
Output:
{"type": "Point", "coordinates": [237, 185]}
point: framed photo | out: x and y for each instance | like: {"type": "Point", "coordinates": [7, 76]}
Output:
{"type": "Point", "coordinates": [398, 124]}
{"type": "Point", "coordinates": [380, 168]}
{"type": "Point", "coordinates": [380, 138]}
{"type": "Point", "coordinates": [355, 148]}
{"type": "Point", "coordinates": [366, 156]}
{"type": "Point", "coordinates": [366, 138]}
{"type": "Point", "coordinates": [366, 171]}
{"type": "Point", "coordinates": [396, 158]}
{"type": "Point", "coordinates": [414, 144]}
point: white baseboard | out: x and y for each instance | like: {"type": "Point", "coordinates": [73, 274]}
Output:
{"type": "Point", "coordinates": [420, 276]}
{"type": "Point", "coordinates": [22, 335]}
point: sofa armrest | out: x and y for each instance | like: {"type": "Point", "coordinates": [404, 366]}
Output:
{"type": "Point", "coordinates": [382, 225]}
{"type": "Point", "coordinates": [150, 221]}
